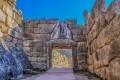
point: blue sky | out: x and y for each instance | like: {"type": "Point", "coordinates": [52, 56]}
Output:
{"type": "Point", "coordinates": [62, 9]}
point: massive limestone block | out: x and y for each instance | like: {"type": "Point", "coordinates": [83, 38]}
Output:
{"type": "Point", "coordinates": [114, 7]}
{"type": "Point", "coordinates": [71, 21]}
{"type": "Point", "coordinates": [103, 72]}
{"type": "Point", "coordinates": [36, 44]}
{"type": "Point", "coordinates": [52, 21]}
{"type": "Point", "coordinates": [11, 61]}
{"type": "Point", "coordinates": [61, 42]}
{"type": "Point", "coordinates": [51, 27]}
{"type": "Point", "coordinates": [41, 66]}
{"type": "Point", "coordinates": [37, 49]}
{"type": "Point", "coordinates": [7, 9]}
{"type": "Point", "coordinates": [113, 70]}
{"type": "Point", "coordinates": [91, 22]}
{"type": "Point", "coordinates": [115, 45]}
{"type": "Point", "coordinates": [36, 21]}
{"type": "Point", "coordinates": [102, 39]}
{"type": "Point", "coordinates": [1, 4]}
{"type": "Point", "coordinates": [17, 16]}
{"type": "Point", "coordinates": [81, 48]}
{"type": "Point", "coordinates": [42, 28]}
{"type": "Point", "coordinates": [32, 59]}
{"type": "Point", "coordinates": [27, 51]}
{"type": "Point", "coordinates": [21, 59]}
{"type": "Point", "coordinates": [8, 68]}
{"type": "Point", "coordinates": [28, 30]}
{"type": "Point", "coordinates": [90, 60]}
{"type": "Point", "coordinates": [28, 36]}
{"type": "Point", "coordinates": [103, 56]}
{"type": "Point", "coordinates": [77, 32]}
{"type": "Point", "coordinates": [11, 23]}
{"type": "Point", "coordinates": [94, 46]}
{"type": "Point", "coordinates": [109, 16]}
{"type": "Point", "coordinates": [42, 60]}
{"type": "Point", "coordinates": [79, 38]}
{"type": "Point", "coordinates": [2, 16]}
{"type": "Point", "coordinates": [19, 28]}
{"type": "Point", "coordinates": [43, 21]}
{"type": "Point", "coordinates": [82, 57]}
{"type": "Point", "coordinates": [113, 29]}
{"type": "Point", "coordinates": [44, 37]}
{"type": "Point", "coordinates": [72, 26]}
{"type": "Point", "coordinates": [4, 28]}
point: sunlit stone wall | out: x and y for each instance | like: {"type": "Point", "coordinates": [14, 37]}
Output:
{"type": "Point", "coordinates": [103, 39]}
{"type": "Point", "coordinates": [13, 61]}
{"type": "Point", "coordinates": [11, 29]}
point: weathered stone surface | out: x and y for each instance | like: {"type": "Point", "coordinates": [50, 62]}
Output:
{"type": "Point", "coordinates": [42, 59]}
{"type": "Point", "coordinates": [103, 39]}
{"type": "Point", "coordinates": [103, 57]}
{"type": "Point", "coordinates": [37, 49]}
{"type": "Point", "coordinates": [7, 9]}
{"type": "Point", "coordinates": [103, 72]}
{"type": "Point", "coordinates": [51, 27]}
{"type": "Point", "coordinates": [115, 45]}
{"type": "Point", "coordinates": [26, 49]}
{"type": "Point", "coordinates": [2, 16]}
{"type": "Point", "coordinates": [26, 43]}
{"type": "Point", "coordinates": [36, 21]}
{"type": "Point", "coordinates": [14, 40]}
{"type": "Point", "coordinates": [36, 44]}
{"type": "Point", "coordinates": [42, 28]}
{"type": "Point", "coordinates": [1, 4]}
{"type": "Point", "coordinates": [28, 30]}
{"type": "Point", "coordinates": [61, 42]}
{"type": "Point", "coordinates": [17, 17]}
{"type": "Point", "coordinates": [43, 21]}
{"type": "Point", "coordinates": [81, 47]}
{"type": "Point", "coordinates": [52, 21]}
{"type": "Point", "coordinates": [114, 7]}
{"type": "Point", "coordinates": [82, 57]}
{"type": "Point", "coordinates": [109, 16]}
{"type": "Point", "coordinates": [77, 32]}
{"type": "Point", "coordinates": [38, 54]}
{"type": "Point", "coordinates": [90, 60]}
{"type": "Point", "coordinates": [28, 37]}
{"type": "Point", "coordinates": [4, 28]}
{"type": "Point", "coordinates": [9, 39]}
{"type": "Point", "coordinates": [39, 65]}
{"type": "Point", "coordinates": [114, 70]}
{"type": "Point", "coordinates": [79, 38]}
{"type": "Point", "coordinates": [33, 59]}
{"type": "Point", "coordinates": [72, 26]}
{"type": "Point", "coordinates": [71, 21]}
{"type": "Point", "coordinates": [19, 28]}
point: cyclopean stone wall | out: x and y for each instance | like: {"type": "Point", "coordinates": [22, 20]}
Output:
{"type": "Point", "coordinates": [13, 60]}
{"type": "Point", "coordinates": [37, 34]}
{"type": "Point", "coordinates": [103, 39]}
{"type": "Point", "coordinates": [10, 22]}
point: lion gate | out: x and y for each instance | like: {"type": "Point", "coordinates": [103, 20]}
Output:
{"type": "Point", "coordinates": [54, 44]}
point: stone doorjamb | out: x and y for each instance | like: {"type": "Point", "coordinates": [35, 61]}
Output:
{"type": "Point", "coordinates": [61, 43]}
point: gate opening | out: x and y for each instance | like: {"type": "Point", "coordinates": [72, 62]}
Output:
{"type": "Point", "coordinates": [62, 57]}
